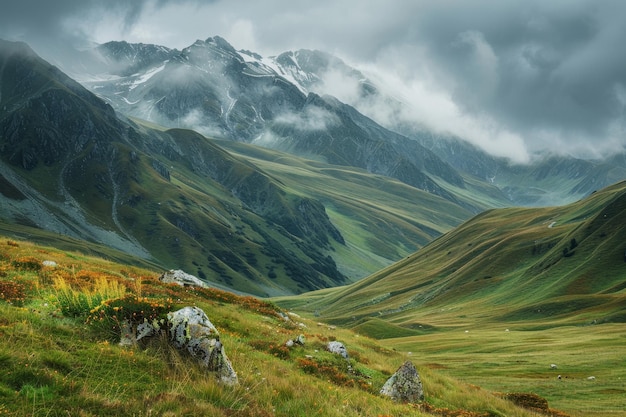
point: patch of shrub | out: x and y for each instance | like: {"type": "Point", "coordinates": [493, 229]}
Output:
{"type": "Point", "coordinates": [338, 371]}
{"type": "Point", "coordinates": [248, 302]}
{"type": "Point", "coordinates": [280, 351]}
{"type": "Point", "coordinates": [527, 400]}
{"type": "Point", "coordinates": [107, 318]}
{"type": "Point", "coordinates": [13, 292]}
{"type": "Point", "coordinates": [78, 302]}
{"type": "Point", "coordinates": [27, 263]}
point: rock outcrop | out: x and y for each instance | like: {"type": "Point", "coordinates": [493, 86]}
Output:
{"type": "Point", "coordinates": [337, 348]}
{"type": "Point", "coordinates": [300, 340]}
{"type": "Point", "coordinates": [187, 329]}
{"type": "Point", "coordinates": [190, 329]}
{"type": "Point", "coordinates": [405, 385]}
{"type": "Point", "coordinates": [181, 278]}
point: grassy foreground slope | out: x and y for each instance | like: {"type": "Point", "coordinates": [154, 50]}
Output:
{"type": "Point", "coordinates": [59, 356]}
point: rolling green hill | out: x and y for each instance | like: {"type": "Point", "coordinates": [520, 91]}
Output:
{"type": "Point", "coordinates": [515, 299]}
{"type": "Point", "coordinates": [557, 266]}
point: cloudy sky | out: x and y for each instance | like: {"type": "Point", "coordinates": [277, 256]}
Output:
{"type": "Point", "coordinates": [515, 77]}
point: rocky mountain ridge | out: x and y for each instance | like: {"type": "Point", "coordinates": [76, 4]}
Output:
{"type": "Point", "coordinates": [238, 95]}
{"type": "Point", "coordinates": [282, 102]}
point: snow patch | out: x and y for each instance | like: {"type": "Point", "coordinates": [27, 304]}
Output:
{"type": "Point", "coordinates": [272, 68]}
{"type": "Point", "coordinates": [145, 77]}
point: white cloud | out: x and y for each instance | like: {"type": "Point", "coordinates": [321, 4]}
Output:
{"type": "Point", "coordinates": [242, 32]}
{"type": "Point", "coordinates": [312, 119]}
{"type": "Point", "coordinates": [418, 100]}
{"type": "Point", "coordinates": [481, 64]}
{"type": "Point", "coordinates": [436, 109]}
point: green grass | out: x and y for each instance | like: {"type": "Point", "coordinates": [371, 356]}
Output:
{"type": "Point", "coordinates": [507, 269]}
{"type": "Point", "coordinates": [512, 260]}
{"type": "Point", "coordinates": [59, 364]}
{"type": "Point", "coordinates": [519, 360]}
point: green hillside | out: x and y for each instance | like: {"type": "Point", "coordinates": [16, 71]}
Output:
{"type": "Point", "coordinates": [500, 298]}
{"type": "Point", "coordinates": [504, 265]}
{"type": "Point", "coordinates": [60, 357]}
{"type": "Point", "coordinates": [381, 219]}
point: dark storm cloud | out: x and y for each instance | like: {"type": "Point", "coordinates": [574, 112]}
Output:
{"type": "Point", "coordinates": [511, 76]}
{"type": "Point", "coordinates": [540, 66]}
{"type": "Point", "coordinates": [36, 20]}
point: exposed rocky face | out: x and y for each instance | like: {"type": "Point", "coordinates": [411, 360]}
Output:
{"type": "Point", "coordinates": [214, 89]}
{"type": "Point", "coordinates": [338, 348]}
{"type": "Point", "coordinates": [191, 329]}
{"type": "Point", "coordinates": [404, 385]}
{"type": "Point", "coordinates": [187, 329]}
{"type": "Point", "coordinates": [177, 276]}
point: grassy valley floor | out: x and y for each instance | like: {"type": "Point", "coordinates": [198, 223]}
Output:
{"type": "Point", "coordinates": [590, 360]}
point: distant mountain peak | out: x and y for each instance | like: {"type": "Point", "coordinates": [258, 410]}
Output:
{"type": "Point", "coordinates": [11, 47]}
{"type": "Point", "coordinates": [220, 42]}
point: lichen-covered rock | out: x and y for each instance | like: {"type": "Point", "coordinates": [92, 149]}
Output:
{"type": "Point", "coordinates": [191, 329]}
{"type": "Point", "coordinates": [132, 333]}
{"type": "Point", "coordinates": [337, 348]}
{"type": "Point", "coordinates": [181, 278]}
{"type": "Point", "coordinates": [405, 385]}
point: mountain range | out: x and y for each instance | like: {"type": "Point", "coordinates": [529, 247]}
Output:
{"type": "Point", "coordinates": [230, 166]}
{"type": "Point", "coordinates": [73, 166]}
{"type": "Point", "coordinates": [279, 102]}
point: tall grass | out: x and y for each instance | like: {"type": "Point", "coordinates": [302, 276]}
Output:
{"type": "Point", "coordinates": [77, 301]}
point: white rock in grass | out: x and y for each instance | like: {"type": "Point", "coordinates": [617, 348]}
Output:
{"type": "Point", "coordinates": [181, 278]}
{"type": "Point", "coordinates": [191, 329]}
{"type": "Point", "coordinates": [405, 385]}
{"type": "Point", "coordinates": [337, 348]}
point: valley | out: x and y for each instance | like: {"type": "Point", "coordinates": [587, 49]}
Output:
{"type": "Point", "coordinates": [286, 202]}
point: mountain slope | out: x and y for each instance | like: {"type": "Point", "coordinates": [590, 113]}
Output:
{"type": "Point", "coordinates": [524, 184]}
{"type": "Point", "coordinates": [214, 89]}
{"type": "Point", "coordinates": [555, 265]}
{"type": "Point", "coordinates": [175, 198]}
{"type": "Point", "coordinates": [88, 174]}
